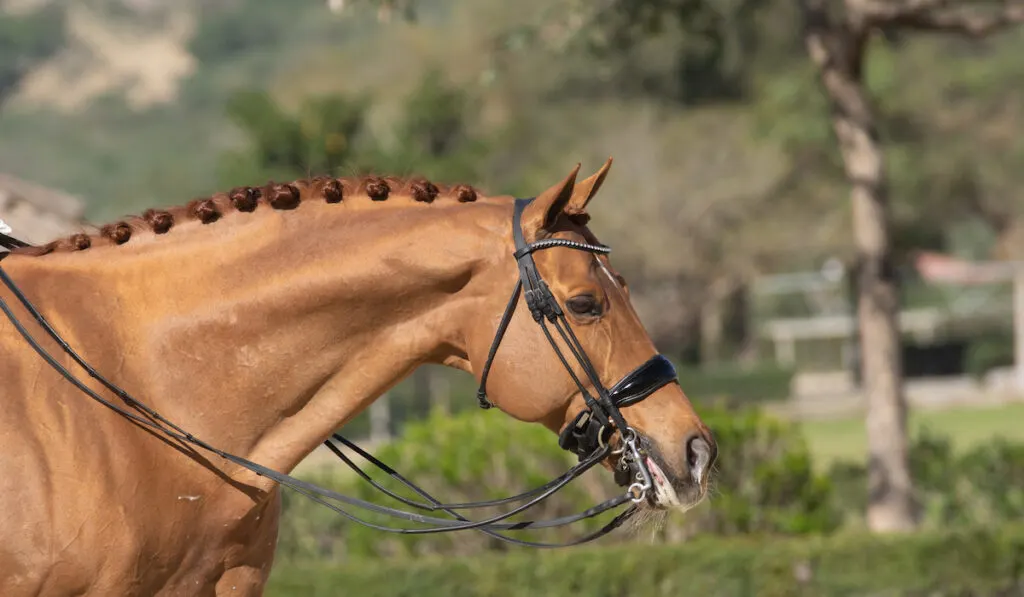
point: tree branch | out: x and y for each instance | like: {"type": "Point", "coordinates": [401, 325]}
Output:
{"type": "Point", "coordinates": [973, 19]}
{"type": "Point", "coordinates": [885, 11]}
{"type": "Point", "coordinates": [836, 47]}
{"type": "Point", "coordinates": [821, 33]}
{"type": "Point", "coordinates": [968, 21]}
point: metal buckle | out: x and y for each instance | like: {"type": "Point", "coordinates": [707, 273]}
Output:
{"type": "Point", "coordinates": [637, 492]}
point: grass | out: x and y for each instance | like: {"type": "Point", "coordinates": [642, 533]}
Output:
{"type": "Point", "coordinates": [832, 440]}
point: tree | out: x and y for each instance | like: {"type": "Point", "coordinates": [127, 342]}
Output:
{"type": "Point", "coordinates": [721, 53]}
{"type": "Point", "coordinates": [228, 29]}
{"type": "Point", "coordinates": [326, 134]}
{"type": "Point", "coordinates": [437, 133]}
{"type": "Point", "coordinates": [433, 135]}
{"type": "Point", "coordinates": [836, 38]}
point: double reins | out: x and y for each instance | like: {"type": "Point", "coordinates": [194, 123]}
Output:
{"type": "Point", "coordinates": [9, 242]}
{"type": "Point", "coordinates": [587, 436]}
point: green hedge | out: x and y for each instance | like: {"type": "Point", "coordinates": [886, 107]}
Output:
{"type": "Point", "coordinates": [975, 563]}
{"type": "Point", "coordinates": [722, 384]}
{"type": "Point", "coordinates": [738, 385]}
{"type": "Point", "coordinates": [988, 352]}
{"type": "Point", "coordinates": [765, 483]}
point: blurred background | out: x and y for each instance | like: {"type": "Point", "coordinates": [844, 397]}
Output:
{"type": "Point", "coordinates": [818, 207]}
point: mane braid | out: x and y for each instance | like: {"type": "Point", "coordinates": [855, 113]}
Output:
{"type": "Point", "coordinates": [160, 221]}
{"type": "Point", "coordinates": [378, 189]}
{"type": "Point", "coordinates": [249, 199]}
{"type": "Point", "coordinates": [245, 198]}
{"type": "Point", "coordinates": [119, 232]}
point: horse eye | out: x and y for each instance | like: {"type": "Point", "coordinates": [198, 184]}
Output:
{"type": "Point", "coordinates": [584, 304]}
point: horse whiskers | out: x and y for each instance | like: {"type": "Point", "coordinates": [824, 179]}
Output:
{"type": "Point", "coordinates": [647, 521]}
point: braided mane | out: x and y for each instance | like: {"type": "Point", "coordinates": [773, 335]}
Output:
{"type": "Point", "coordinates": [277, 196]}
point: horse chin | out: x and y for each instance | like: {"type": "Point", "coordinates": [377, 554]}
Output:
{"type": "Point", "coordinates": [665, 497]}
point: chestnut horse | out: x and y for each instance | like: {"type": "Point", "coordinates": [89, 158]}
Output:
{"type": "Point", "coordinates": [261, 320]}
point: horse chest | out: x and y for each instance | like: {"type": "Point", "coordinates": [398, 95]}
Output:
{"type": "Point", "coordinates": [93, 511]}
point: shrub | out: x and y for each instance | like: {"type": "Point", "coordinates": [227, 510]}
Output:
{"type": "Point", "coordinates": [739, 385]}
{"type": "Point", "coordinates": [984, 485]}
{"type": "Point", "coordinates": [989, 352]}
{"type": "Point", "coordinates": [975, 563]}
{"type": "Point", "coordinates": [994, 473]}
{"type": "Point", "coordinates": [243, 27]}
{"type": "Point", "coordinates": [470, 457]}
{"type": "Point", "coordinates": [765, 483]}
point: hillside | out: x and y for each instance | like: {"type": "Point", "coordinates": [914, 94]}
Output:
{"type": "Point", "coordinates": [130, 112]}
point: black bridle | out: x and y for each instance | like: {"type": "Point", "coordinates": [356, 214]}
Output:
{"type": "Point", "coordinates": [593, 426]}
{"type": "Point", "coordinates": [587, 436]}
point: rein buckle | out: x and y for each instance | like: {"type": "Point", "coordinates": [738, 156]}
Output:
{"type": "Point", "coordinates": [585, 435]}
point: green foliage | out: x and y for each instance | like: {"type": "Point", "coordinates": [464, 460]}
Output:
{"type": "Point", "coordinates": [947, 148]}
{"type": "Point", "coordinates": [714, 46]}
{"type": "Point", "coordinates": [982, 486]}
{"type": "Point", "coordinates": [988, 352]}
{"type": "Point", "coordinates": [471, 457]}
{"type": "Point", "coordinates": [324, 135]}
{"type": "Point", "coordinates": [26, 40]}
{"type": "Point", "coordinates": [995, 473]}
{"type": "Point", "coordinates": [725, 384]}
{"type": "Point", "coordinates": [434, 123]}
{"type": "Point", "coordinates": [764, 481]}
{"type": "Point", "coordinates": [329, 135]}
{"type": "Point", "coordinates": [765, 382]}
{"type": "Point", "coordinates": [791, 110]}
{"type": "Point", "coordinates": [764, 484]}
{"type": "Point", "coordinates": [972, 563]}
{"type": "Point", "coordinates": [310, 531]}
{"type": "Point", "coordinates": [234, 28]}
{"type": "Point", "coordinates": [436, 134]}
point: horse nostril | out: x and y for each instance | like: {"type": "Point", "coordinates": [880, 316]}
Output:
{"type": "Point", "coordinates": [699, 455]}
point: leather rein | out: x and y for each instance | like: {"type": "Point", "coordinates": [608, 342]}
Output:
{"type": "Point", "coordinates": [587, 436]}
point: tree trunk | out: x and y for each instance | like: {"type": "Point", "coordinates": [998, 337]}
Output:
{"type": "Point", "coordinates": [890, 489]}
{"type": "Point", "coordinates": [838, 51]}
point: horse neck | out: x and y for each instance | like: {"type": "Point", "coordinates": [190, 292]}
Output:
{"type": "Point", "coordinates": [264, 335]}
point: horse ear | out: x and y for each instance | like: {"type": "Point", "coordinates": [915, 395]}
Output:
{"type": "Point", "coordinates": [543, 212]}
{"type": "Point", "coordinates": [585, 190]}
